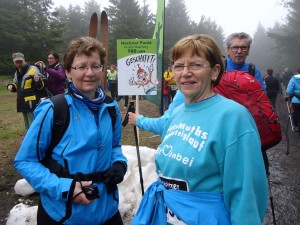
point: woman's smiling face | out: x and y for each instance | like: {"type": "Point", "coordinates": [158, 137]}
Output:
{"type": "Point", "coordinates": [194, 81]}
{"type": "Point", "coordinates": [86, 73]}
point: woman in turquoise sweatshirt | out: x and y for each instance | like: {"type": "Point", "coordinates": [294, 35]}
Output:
{"type": "Point", "coordinates": [209, 163]}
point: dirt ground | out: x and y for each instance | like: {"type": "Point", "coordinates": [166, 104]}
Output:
{"type": "Point", "coordinates": [284, 174]}
{"type": "Point", "coordinates": [284, 177]}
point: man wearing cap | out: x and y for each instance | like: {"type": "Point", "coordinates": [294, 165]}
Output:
{"type": "Point", "coordinates": [28, 83]}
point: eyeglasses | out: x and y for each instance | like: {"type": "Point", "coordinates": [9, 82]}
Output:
{"type": "Point", "coordinates": [177, 68]}
{"type": "Point", "coordinates": [95, 68]}
{"type": "Point", "coordinates": [236, 48]}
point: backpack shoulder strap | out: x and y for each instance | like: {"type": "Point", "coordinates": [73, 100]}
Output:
{"type": "Point", "coordinates": [251, 69]}
{"type": "Point", "coordinates": [112, 111]}
{"type": "Point", "coordinates": [61, 119]}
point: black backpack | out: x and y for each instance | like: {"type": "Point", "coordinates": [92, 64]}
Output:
{"type": "Point", "coordinates": [61, 115]}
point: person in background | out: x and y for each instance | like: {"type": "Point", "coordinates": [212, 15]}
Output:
{"type": "Point", "coordinates": [89, 154]}
{"type": "Point", "coordinates": [169, 78]}
{"type": "Point", "coordinates": [166, 96]}
{"type": "Point", "coordinates": [238, 48]}
{"type": "Point", "coordinates": [29, 84]}
{"type": "Point", "coordinates": [112, 76]}
{"type": "Point", "coordinates": [272, 87]}
{"type": "Point", "coordinates": [232, 186]}
{"type": "Point", "coordinates": [293, 92]}
{"type": "Point", "coordinates": [54, 72]}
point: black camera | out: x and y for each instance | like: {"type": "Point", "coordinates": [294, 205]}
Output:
{"type": "Point", "coordinates": [91, 192]}
{"type": "Point", "coordinates": [40, 67]}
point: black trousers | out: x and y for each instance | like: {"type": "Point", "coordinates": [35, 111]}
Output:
{"type": "Point", "coordinates": [113, 89]}
{"type": "Point", "coordinates": [44, 219]}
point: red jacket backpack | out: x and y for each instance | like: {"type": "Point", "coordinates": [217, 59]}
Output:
{"type": "Point", "coordinates": [243, 88]}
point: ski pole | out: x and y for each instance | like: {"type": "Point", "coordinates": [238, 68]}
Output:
{"type": "Point", "coordinates": [124, 123]}
{"type": "Point", "coordinates": [290, 115]}
{"type": "Point", "coordinates": [271, 200]}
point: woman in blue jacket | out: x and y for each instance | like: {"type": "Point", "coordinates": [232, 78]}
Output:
{"type": "Point", "coordinates": [90, 149]}
{"type": "Point", "coordinates": [293, 90]}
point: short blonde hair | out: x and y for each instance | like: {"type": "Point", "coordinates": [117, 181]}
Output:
{"type": "Point", "coordinates": [201, 45]}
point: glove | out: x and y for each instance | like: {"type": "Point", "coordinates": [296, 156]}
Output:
{"type": "Point", "coordinates": [115, 174]}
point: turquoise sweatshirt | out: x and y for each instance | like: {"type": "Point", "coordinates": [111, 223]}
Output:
{"type": "Point", "coordinates": [214, 146]}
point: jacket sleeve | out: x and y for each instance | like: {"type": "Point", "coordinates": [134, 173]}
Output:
{"type": "Point", "coordinates": [14, 83]}
{"type": "Point", "coordinates": [290, 88]}
{"type": "Point", "coordinates": [57, 74]}
{"type": "Point", "coordinates": [117, 154]}
{"type": "Point", "coordinates": [166, 75]}
{"type": "Point", "coordinates": [244, 179]}
{"type": "Point", "coordinates": [156, 125]}
{"type": "Point", "coordinates": [33, 147]}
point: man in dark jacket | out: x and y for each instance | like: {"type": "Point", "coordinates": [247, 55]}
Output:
{"type": "Point", "coordinates": [272, 87]}
{"type": "Point", "coordinates": [29, 85]}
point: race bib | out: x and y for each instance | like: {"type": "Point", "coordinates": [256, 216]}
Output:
{"type": "Point", "coordinates": [176, 184]}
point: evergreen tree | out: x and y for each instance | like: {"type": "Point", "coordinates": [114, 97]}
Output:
{"type": "Point", "coordinates": [29, 27]}
{"type": "Point", "coordinates": [177, 25]}
{"type": "Point", "coordinates": [126, 21]}
{"type": "Point", "coordinates": [209, 27]}
{"type": "Point", "coordinates": [76, 25]}
{"type": "Point", "coordinates": [287, 36]}
{"type": "Point", "coordinates": [263, 52]}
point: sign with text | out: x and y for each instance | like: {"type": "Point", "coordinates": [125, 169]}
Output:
{"type": "Point", "coordinates": [137, 67]}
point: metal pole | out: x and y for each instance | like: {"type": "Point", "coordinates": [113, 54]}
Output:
{"type": "Point", "coordinates": [271, 200]}
{"type": "Point", "coordinates": [139, 158]}
{"type": "Point", "coordinates": [124, 123]}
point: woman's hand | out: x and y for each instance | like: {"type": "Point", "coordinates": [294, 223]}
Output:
{"type": "Point", "coordinates": [78, 195]}
{"type": "Point", "coordinates": [10, 87]}
{"type": "Point", "coordinates": [132, 118]}
{"type": "Point", "coordinates": [40, 63]}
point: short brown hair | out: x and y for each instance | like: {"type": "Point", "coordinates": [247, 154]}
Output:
{"type": "Point", "coordinates": [86, 46]}
{"type": "Point", "coordinates": [200, 45]}
{"type": "Point", "coordinates": [270, 71]}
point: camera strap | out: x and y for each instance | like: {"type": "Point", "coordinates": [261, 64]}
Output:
{"type": "Point", "coordinates": [60, 171]}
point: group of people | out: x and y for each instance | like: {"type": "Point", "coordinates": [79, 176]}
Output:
{"type": "Point", "coordinates": [289, 85]}
{"type": "Point", "coordinates": [210, 165]}
{"type": "Point", "coordinates": [35, 82]}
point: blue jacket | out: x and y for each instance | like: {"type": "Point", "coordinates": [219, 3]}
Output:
{"type": "Point", "coordinates": [85, 147]}
{"type": "Point", "coordinates": [199, 208]}
{"type": "Point", "coordinates": [294, 88]}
